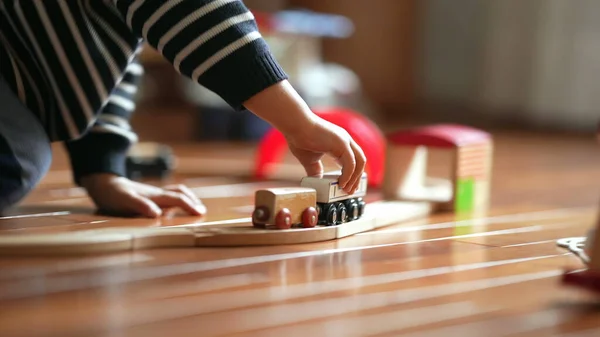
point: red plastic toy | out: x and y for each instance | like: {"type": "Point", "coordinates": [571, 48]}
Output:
{"type": "Point", "coordinates": [369, 137]}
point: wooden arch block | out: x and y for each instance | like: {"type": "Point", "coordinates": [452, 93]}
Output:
{"type": "Point", "coordinates": [406, 177]}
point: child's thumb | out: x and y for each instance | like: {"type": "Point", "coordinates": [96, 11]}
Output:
{"type": "Point", "coordinates": [314, 169]}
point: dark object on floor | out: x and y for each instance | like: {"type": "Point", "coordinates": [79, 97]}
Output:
{"type": "Point", "coordinates": [225, 124]}
{"type": "Point", "coordinates": [149, 160]}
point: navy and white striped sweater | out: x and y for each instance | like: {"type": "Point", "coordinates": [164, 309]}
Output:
{"type": "Point", "coordinates": [73, 63]}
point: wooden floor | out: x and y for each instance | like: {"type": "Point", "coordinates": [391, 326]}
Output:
{"type": "Point", "coordinates": [494, 275]}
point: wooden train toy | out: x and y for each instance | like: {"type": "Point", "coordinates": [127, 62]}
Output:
{"type": "Point", "coordinates": [318, 201]}
{"type": "Point", "coordinates": [316, 210]}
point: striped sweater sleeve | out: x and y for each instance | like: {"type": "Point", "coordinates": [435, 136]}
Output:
{"type": "Point", "coordinates": [104, 147]}
{"type": "Point", "coordinates": [214, 42]}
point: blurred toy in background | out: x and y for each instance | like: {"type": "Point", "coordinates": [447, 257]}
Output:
{"type": "Point", "coordinates": [304, 22]}
{"type": "Point", "coordinates": [294, 37]}
{"type": "Point", "coordinates": [149, 160]}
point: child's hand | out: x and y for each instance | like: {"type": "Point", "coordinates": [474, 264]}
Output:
{"type": "Point", "coordinates": [120, 195]}
{"type": "Point", "coordinates": [309, 136]}
{"type": "Point", "coordinates": [309, 146]}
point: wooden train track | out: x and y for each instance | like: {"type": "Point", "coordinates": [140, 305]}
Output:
{"type": "Point", "coordinates": [214, 234]}
{"type": "Point", "coordinates": [406, 179]}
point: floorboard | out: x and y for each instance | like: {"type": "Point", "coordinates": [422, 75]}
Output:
{"type": "Point", "coordinates": [495, 274]}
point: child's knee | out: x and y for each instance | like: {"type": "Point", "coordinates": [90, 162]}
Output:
{"type": "Point", "coordinates": [11, 192]}
{"type": "Point", "coordinates": [20, 174]}
{"type": "Point", "coordinates": [25, 152]}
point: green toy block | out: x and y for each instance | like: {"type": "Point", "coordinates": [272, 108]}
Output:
{"type": "Point", "coordinates": [465, 195]}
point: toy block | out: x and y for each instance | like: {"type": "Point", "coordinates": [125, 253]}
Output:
{"type": "Point", "coordinates": [405, 176]}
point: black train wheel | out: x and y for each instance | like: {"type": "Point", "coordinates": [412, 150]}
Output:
{"type": "Point", "coordinates": [361, 206]}
{"type": "Point", "coordinates": [342, 212]}
{"type": "Point", "coordinates": [352, 209]}
{"type": "Point", "coordinates": [329, 214]}
{"type": "Point", "coordinates": [260, 215]}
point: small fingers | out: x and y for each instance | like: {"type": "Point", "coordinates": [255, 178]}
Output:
{"type": "Point", "coordinates": [131, 204]}
{"type": "Point", "coordinates": [144, 207]}
{"type": "Point", "coordinates": [199, 207]}
{"type": "Point", "coordinates": [361, 162]}
{"type": "Point", "coordinates": [169, 199]}
{"type": "Point", "coordinates": [348, 161]}
{"type": "Point", "coordinates": [185, 190]}
{"type": "Point", "coordinates": [314, 169]}
{"type": "Point", "coordinates": [353, 162]}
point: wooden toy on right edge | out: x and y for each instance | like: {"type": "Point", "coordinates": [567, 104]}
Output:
{"type": "Point", "coordinates": [406, 167]}
{"type": "Point", "coordinates": [588, 278]}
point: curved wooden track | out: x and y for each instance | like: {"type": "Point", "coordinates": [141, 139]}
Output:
{"type": "Point", "coordinates": [495, 274]}
{"type": "Point", "coordinates": [228, 233]}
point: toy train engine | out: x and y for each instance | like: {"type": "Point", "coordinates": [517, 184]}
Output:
{"type": "Point", "coordinates": [285, 207]}
{"type": "Point", "coordinates": [336, 206]}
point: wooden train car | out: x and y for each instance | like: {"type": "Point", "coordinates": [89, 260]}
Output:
{"type": "Point", "coordinates": [316, 201]}
{"type": "Point", "coordinates": [333, 203]}
{"type": "Point", "coordinates": [285, 207]}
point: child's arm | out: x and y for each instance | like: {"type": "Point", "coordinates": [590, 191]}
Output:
{"type": "Point", "coordinates": [104, 148]}
{"type": "Point", "coordinates": [217, 44]}
{"type": "Point", "coordinates": [98, 160]}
